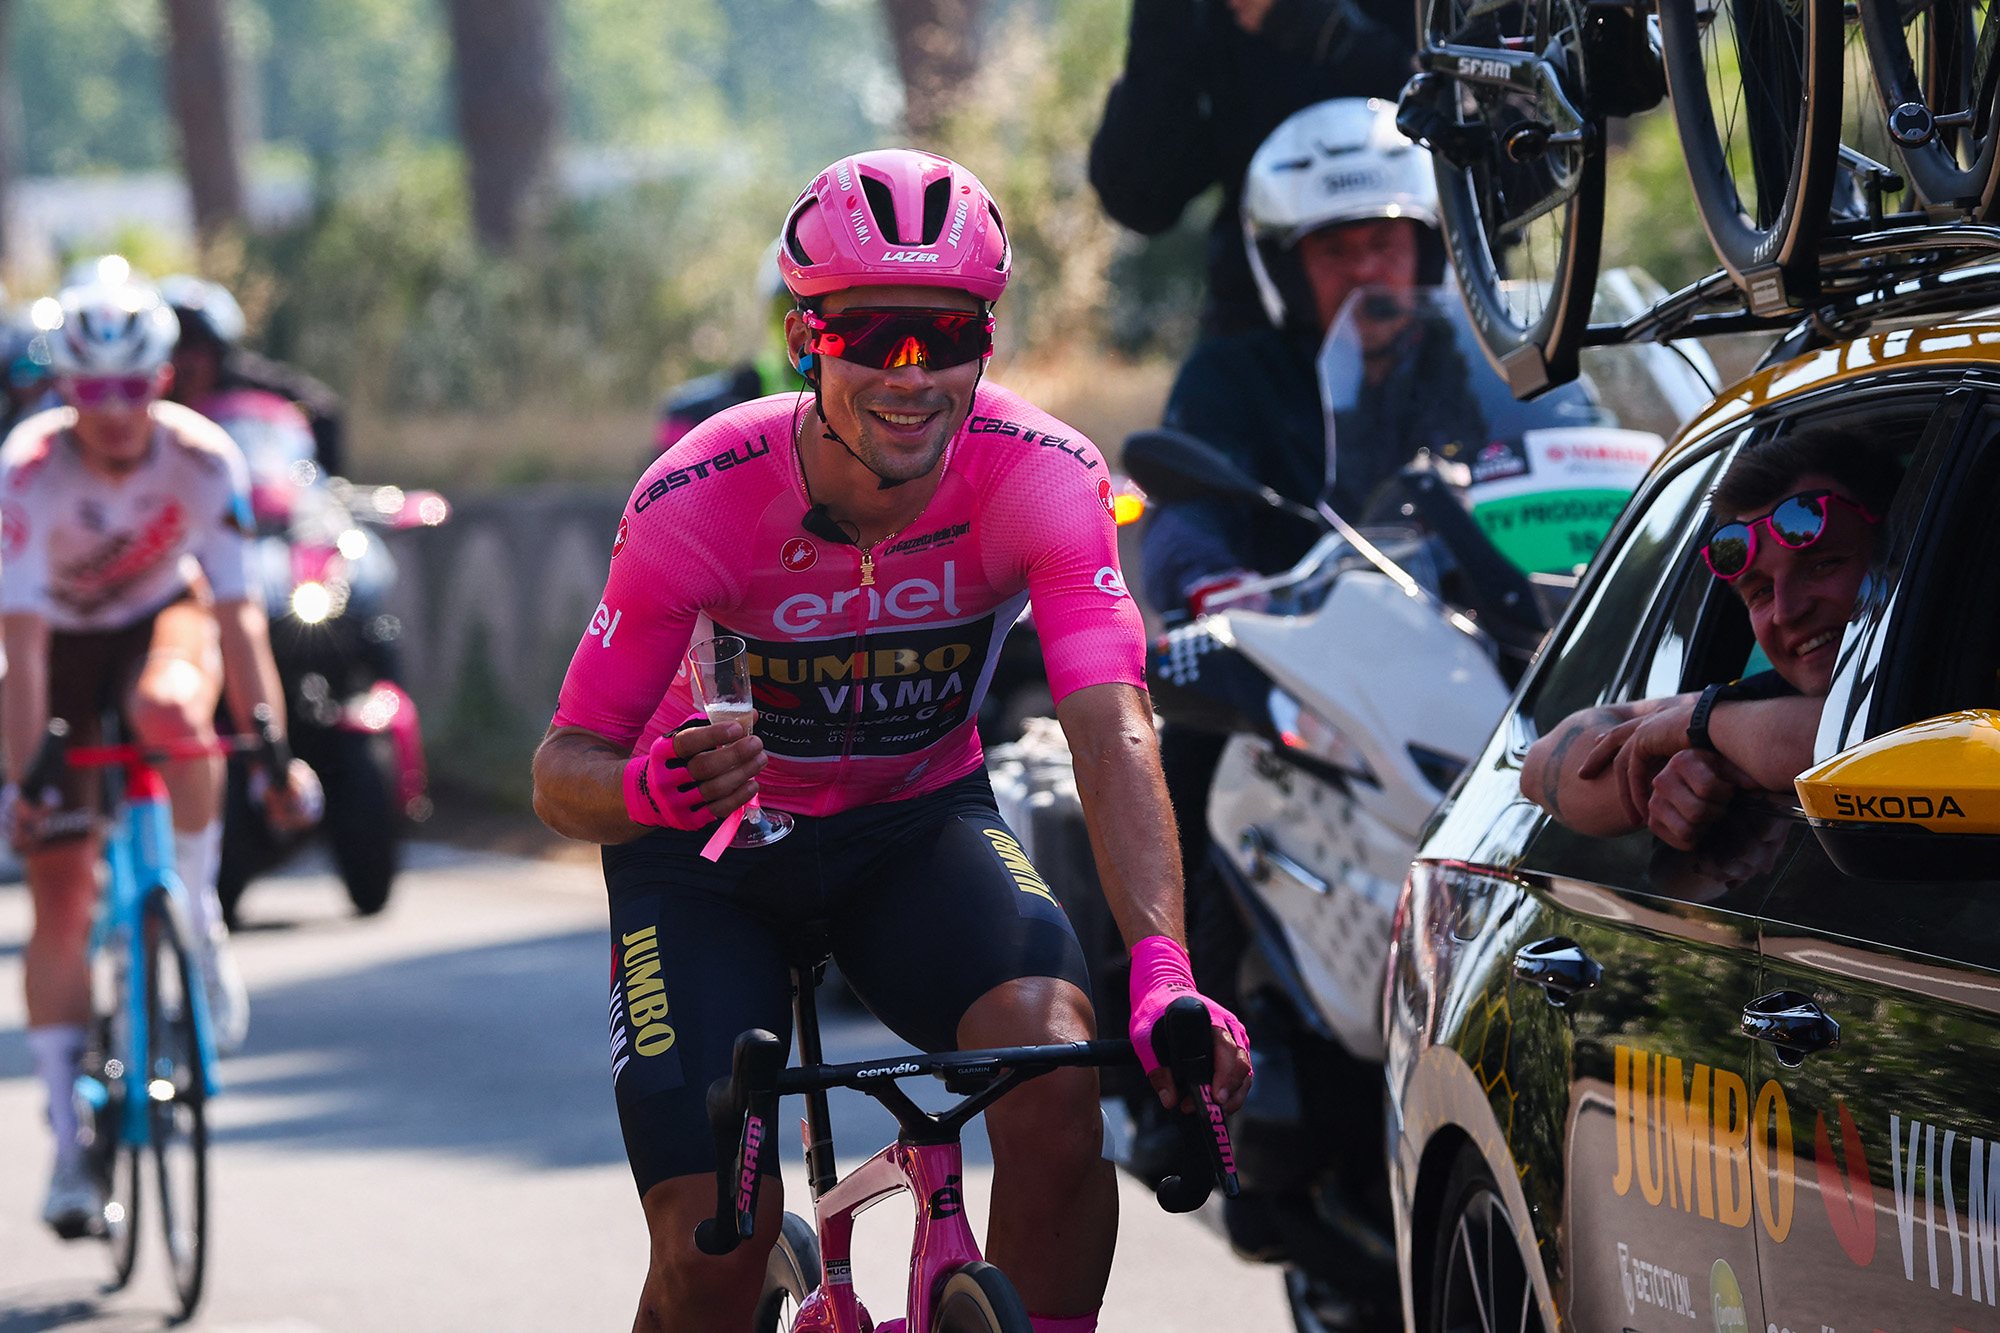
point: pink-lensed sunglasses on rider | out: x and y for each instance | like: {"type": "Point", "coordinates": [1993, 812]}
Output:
{"type": "Point", "coordinates": [1795, 523]}
{"type": "Point", "coordinates": [100, 390]}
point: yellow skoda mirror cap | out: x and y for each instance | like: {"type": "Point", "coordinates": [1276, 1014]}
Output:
{"type": "Point", "coordinates": [1941, 775]}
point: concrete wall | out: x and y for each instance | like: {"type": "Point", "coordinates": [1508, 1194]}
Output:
{"type": "Point", "coordinates": [492, 605]}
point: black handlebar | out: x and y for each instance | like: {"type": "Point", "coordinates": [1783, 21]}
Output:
{"type": "Point", "coordinates": [742, 1107]}
{"type": "Point", "coordinates": [1183, 1041]}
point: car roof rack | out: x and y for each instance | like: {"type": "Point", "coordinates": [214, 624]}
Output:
{"type": "Point", "coordinates": [1898, 270]}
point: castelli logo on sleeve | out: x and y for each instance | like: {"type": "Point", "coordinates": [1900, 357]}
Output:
{"type": "Point", "coordinates": [624, 531]}
{"type": "Point", "coordinates": [799, 555]}
{"type": "Point", "coordinates": [1104, 495]}
{"type": "Point", "coordinates": [13, 529]}
{"type": "Point", "coordinates": [1110, 582]}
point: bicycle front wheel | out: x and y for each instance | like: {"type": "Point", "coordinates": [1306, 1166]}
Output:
{"type": "Point", "coordinates": [1756, 91]}
{"type": "Point", "coordinates": [1939, 60]}
{"type": "Point", "coordinates": [1520, 175]}
{"type": "Point", "coordinates": [789, 1277]}
{"type": "Point", "coordinates": [978, 1298]}
{"type": "Point", "coordinates": [176, 1101]}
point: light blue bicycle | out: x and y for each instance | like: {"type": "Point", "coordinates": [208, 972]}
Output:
{"type": "Point", "coordinates": [150, 1066]}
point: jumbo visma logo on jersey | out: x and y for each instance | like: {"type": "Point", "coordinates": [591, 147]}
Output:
{"type": "Point", "coordinates": [893, 691]}
{"type": "Point", "coordinates": [644, 1058]}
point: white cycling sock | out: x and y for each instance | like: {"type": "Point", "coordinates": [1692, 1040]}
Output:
{"type": "Point", "coordinates": [198, 856]}
{"type": "Point", "coordinates": [57, 1048]}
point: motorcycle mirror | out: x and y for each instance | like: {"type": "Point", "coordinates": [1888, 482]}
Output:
{"type": "Point", "coordinates": [1174, 466]}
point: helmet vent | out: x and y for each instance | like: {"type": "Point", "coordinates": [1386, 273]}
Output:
{"type": "Point", "coordinates": [937, 202]}
{"type": "Point", "coordinates": [883, 205]}
{"type": "Point", "coordinates": [1006, 246]}
{"type": "Point", "coordinates": [798, 251]}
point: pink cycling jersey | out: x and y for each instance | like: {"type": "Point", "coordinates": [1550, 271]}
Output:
{"type": "Point", "coordinates": [864, 694]}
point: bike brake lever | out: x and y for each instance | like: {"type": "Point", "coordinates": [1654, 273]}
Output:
{"type": "Point", "coordinates": [740, 1113]}
{"type": "Point", "coordinates": [1189, 1051]}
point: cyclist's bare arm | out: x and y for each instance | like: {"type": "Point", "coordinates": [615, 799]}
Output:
{"type": "Point", "coordinates": [1116, 754]}
{"type": "Point", "coordinates": [24, 695]}
{"type": "Point", "coordinates": [249, 672]}
{"type": "Point", "coordinates": [580, 778]}
{"type": "Point", "coordinates": [1597, 806]}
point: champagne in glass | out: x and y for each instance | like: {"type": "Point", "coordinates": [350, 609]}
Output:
{"type": "Point", "coordinates": [720, 668]}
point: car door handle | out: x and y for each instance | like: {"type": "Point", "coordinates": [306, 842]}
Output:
{"type": "Point", "coordinates": [1559, 966]}
{"type": "Point", "coordinates": [1792, 1022]}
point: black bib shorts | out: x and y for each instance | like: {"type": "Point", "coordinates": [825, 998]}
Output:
{"type": "Point", "coordinates": [926, 904]}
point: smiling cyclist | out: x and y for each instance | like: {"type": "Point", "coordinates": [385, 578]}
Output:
{"type": "Point", "coordinates": [106, 504]}
{"type": "Point", "coordinates": [872, 538]}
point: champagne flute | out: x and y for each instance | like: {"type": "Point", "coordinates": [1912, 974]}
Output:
{"type": "Point", "coordinates": [720, 668]}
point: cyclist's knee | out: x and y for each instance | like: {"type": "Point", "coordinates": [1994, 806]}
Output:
{"type": "Point", "coordinates": [1027, 1011]}
{"type": "Point", "coordinates": [173, 701]}
{"type": "Point", "coordinates": [62, 882]}
{"type": "Point", "coordinates": [1054, 1121]}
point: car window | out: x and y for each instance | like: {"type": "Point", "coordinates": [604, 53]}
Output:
{"type": "Point", "coordinates": [1944, 651]}
{"type": "Point", "coordinates": [1587, 667]}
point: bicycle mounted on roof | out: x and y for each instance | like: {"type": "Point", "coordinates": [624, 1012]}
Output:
{"type": "Point", "coordinates": [1788, 175]}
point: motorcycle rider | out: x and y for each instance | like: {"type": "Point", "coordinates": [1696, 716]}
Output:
{"type": "Point", "coordinates": [210, 359]}
{"type": "Point", "coordinates": [1336, 200]}
{"type": "Point", "coordinates": [102, 505]}
{"type": "Point", "coordinates": [1205, 82]}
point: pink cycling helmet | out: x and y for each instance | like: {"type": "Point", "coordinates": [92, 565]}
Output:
{"type": "Point", "coordinates": [895, 217]}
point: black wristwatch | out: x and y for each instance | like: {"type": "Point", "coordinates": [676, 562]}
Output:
{"type": "Point", "coordinates": [1698, 720]}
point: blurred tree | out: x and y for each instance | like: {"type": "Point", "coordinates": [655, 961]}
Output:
{"type": "Point", "coordinates": [90, 86]}
{"type": "Point", "coordinates": [203, 79]}
{"type": "Point", "coordinates": [937, 50]}
{"type": "Point", "coordinates": [342, 79]}
{"type": "Point", "coordinates": [503, 61]}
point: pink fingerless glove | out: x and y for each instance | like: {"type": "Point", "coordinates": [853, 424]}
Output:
{"type": "Point", "coordinates": [658, 793]}
{"type": "Point", "coordinates": [1162, 974]}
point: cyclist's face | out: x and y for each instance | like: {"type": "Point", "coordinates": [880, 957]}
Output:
{"type": "Point", "coordinates": [114, 433]}
{"type": "Point", "coordinates": [1378, 252]}
{"type": "Point", "coordinates": [1801, 600]}
{"type": "Point", "coordinates": [898, 421]}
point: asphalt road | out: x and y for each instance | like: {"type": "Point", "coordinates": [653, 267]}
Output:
{"type": "Point", "coordinates": [419, 1134]}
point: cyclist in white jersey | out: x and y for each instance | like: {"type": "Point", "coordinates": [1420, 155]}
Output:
{"type": "Point", "coordinates": [124, 583]}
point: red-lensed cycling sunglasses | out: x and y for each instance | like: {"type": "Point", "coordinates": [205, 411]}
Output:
{"type": "Point", "coordinates": [1797, 522]}
{"type": "Point", "coordinates": [902, 336]}
{"type": "Point", "coordinates": [97, 390]}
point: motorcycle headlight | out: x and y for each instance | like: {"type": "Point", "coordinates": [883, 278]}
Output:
{"type": "Point", "coordinates": [1303, 730]}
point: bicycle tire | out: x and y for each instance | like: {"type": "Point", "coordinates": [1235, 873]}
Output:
{"type": "Point", "coordinates": [1787, 157]}
{"type": "Point", "coordinates": [790, 1275]}
{"type": "Point", "coordinates": [176, 1101]}
{"type": "Point", "coordinates": [978, 1298]}
{"type": "Point", "coordinates": [1524, 235]}
{"type": "Point", "coordinates": [1931, 59]}
{"type": "Point", "coordinates": [116, 1163]}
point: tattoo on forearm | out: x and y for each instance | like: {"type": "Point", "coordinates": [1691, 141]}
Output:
{"type": "Point", "coordinates": [1567, 738]}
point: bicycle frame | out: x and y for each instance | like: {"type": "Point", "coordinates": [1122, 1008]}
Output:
{"type": "Point", "coordinates": [139, 849]}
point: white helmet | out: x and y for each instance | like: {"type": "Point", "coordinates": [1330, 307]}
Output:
{"type": "Point", "coordinates": [209, 304]}
{"type": "Point", "coordinates": [1336, 161]}
{"type": "Point", "coordinates": [111, 329]}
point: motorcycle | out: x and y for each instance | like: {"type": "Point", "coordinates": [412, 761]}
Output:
{"type": "Point", "coordinates": [1353, 690]}
{"type": "Point", "coordinates": [326, 577]}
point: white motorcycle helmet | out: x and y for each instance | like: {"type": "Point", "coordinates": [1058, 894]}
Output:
{"type": "Point", "coordinates": [111, 329]}
{"type": "Point", "coordinates": [1337, 161]}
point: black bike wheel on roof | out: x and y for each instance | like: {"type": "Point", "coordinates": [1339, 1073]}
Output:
{"type": "Point", "coordinates": [1523, 221]}
{"type": "Point", "coordinates": [978, 1298]}
{"type": "Point", "coordinates": [1762, 154]}
{"type": "Point", "coordinates": [176, 1100]}
{"type": "Point", "coordinates": [1937, 59]}
{"type": "Point", "coordinates": [790, 1276]}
